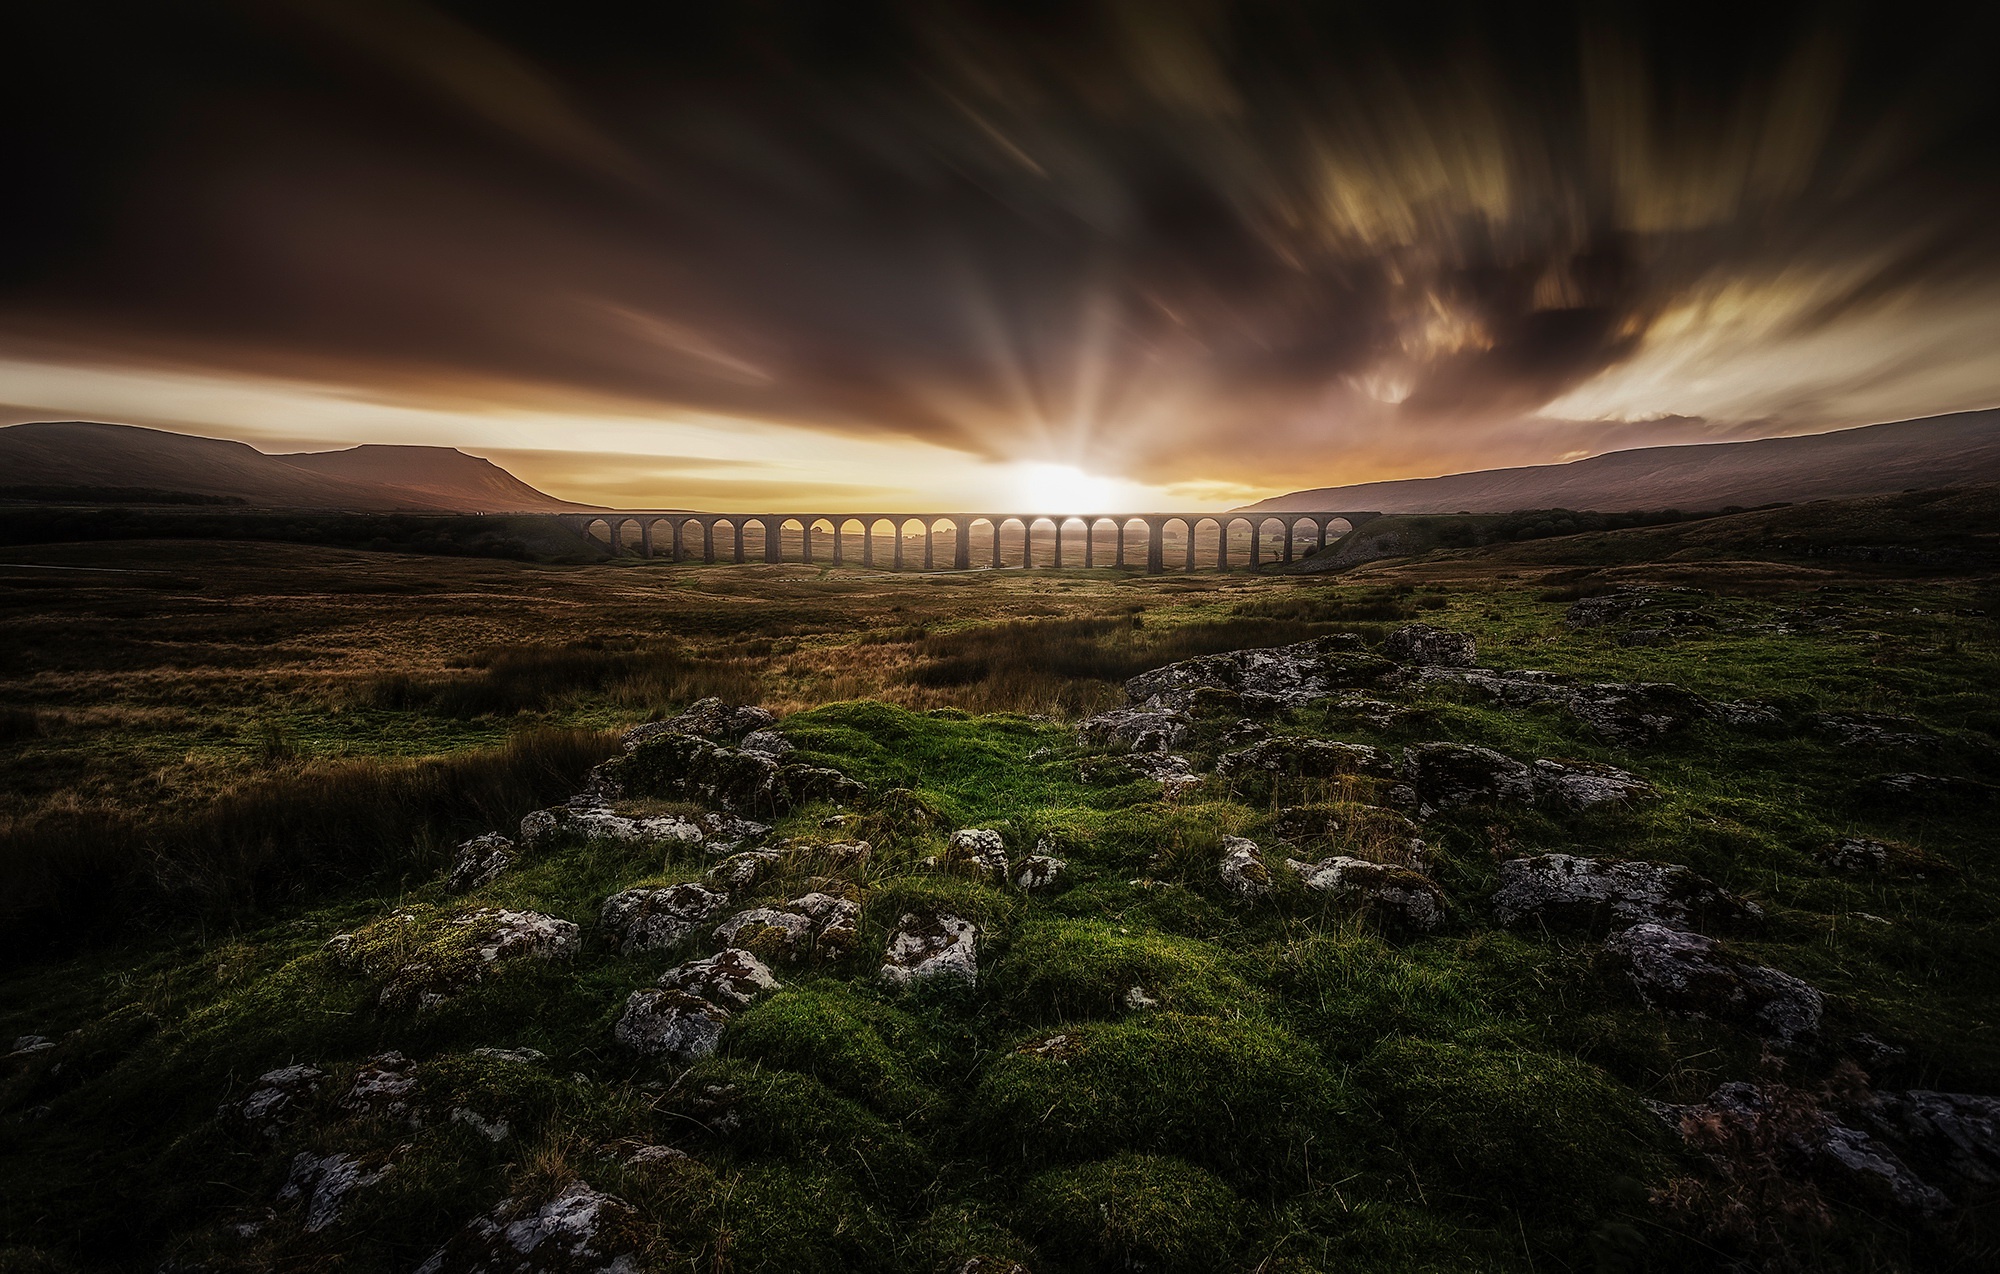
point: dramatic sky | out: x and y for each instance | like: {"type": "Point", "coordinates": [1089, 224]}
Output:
{"type": "Point", "coordinates": [1122, 252]}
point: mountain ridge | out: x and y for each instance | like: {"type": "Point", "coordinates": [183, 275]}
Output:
{"type": "Point", "coordinates": [1932, 451]}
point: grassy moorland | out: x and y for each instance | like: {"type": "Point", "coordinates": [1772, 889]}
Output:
{"type": "Point", "coordinates": [221, 755]}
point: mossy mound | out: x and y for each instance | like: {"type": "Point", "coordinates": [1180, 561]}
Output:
{"type": "Point", "coordinates": [1133, 1211]}
{"type": "Point", "coordinates": [1070, 970]}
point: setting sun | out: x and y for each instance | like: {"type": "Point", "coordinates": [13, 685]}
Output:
{"type": "Point", "coordinates": [1039, 487]}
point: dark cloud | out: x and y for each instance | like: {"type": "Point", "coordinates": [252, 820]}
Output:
{"type": "Point", "coordinates": [1147, 235]}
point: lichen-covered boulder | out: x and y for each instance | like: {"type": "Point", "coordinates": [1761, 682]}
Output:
{"type": "Point", "coordinates": [1397, 896]}
{"type": "Point", "coordinates": [1636, 713]}
{"type": "Point", "coordinates": [710, 719]}
{"type": "Point", "coordinates": [1425, 646]}
{"type": "Point", "coordinates": [1954, 1138]}
{"type": "Point", "coordinates": [384, 1087]}
{"type": "Point", "coordinates": [731, 978]}
{"type": "Point", "coordinates": [742, 871]}
{"type": "Point", "coordinates": [1449, 775]}
{"type": "Point", "coordinates": [1138, 728]}
{"type": "Point", "coordinates": [1266, 679]}
{"type": "Point", "coordinates": [1290, 757]}
{"type": "Point", "coordinates": [525, 933]}
{"type": "Point", "coordinates": [1913, 789]}
{"type": "Point", "coordinates": [647, 919]}
{"type": "Point", "coordinates": [480, 861]}
{"type": "Point", "coordinates": [1859, 855]}
{"type": "Point", "coordinates": [1876, 730]}
{"type": "Point", "coordinates": [929, 947]}
{"type": "Point", "coordinates": [274, 1099]}
{"type": "Point", "coordinates": [769, 742]}
{"type": "Point", "coordinates": [980, 850]}
{"type": "Point", "coordinates": [323, 1182]}
{"type": "Point", "coordinates": [590, 822]}
{"type": "Point", "coordinates": [1580, 786]}
{"type": "Point", "coordinates": [1564, 891]}
{"type": "Point", "coordinates": [769, 931]}
{"type": "Point", "coordinates": [1690, 975]}
{"type": "Point", "coordinates": [579, 1231]}
{"type": "Point", "coordinates": [1242, 869]}
{"type": "Point", "coordinates": [671, 1024]}
{"type": "Point", "coordinates": [1038, 871]}
{"type": "Point", "coordinates": [727, 833]}
{"type": "Point", "coordinates": [691, 767]}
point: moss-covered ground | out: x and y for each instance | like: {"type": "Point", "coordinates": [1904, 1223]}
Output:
{"type": "Point", "coordinates": [1304, 1091]}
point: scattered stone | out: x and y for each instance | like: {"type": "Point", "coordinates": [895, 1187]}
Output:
{"type": "Point", "coordinates": [981, 847]}
{"type": "Point", "coordinates": [838, 922]}
{"type": "Point", "coordinates": [29, 1045]}
{"type": "Point", "coordinates": [1859, 855]}
{"type": "Point", "coordinates": [1266, 679]}
{"type": "Point", "coordinates": [1954, 1136]}
{"type": "Point", "coordinates": [727, 833]}
{"type": "Point", "coordinates": [1448, 775]}
{"type": "Point", "coordinates": [1299, 823]}
{"type": "Point", "coordinates": [653, 1156]}
{"type": "Point", "coordinates": [1244, 733]}
{"type": "Point", "coordinates": [525, 933]}
{"type": "Point", "coordinates": [1621, 604]}
{"type": "Point", "coordinates": [494, 1130]}
{"type": "Point", "coordinates": [1876, 730]}
{"type": "Point", "coordinates": [743, 871]}
{"type": "Point", "coordinates": [1136, 1000]}
{"type": "Point", "coordinates": [383, 1087]}
{"type": "Point", "coordinates": [1564, 891]}
{"type": "Point", "coordinates": [731, 978]}
{"type": "Point", "coordinates": [519, 1056]}
{"type": "Point", "coordinates": [692, 767]}
{"type": "Point", "coordinates": [1140, 729]}
{"type": "Point", "coordinates": [480, 861]}
{"type": "Point", "coordinates": [1164, 768]}
{"type": "Point", "coordinates": [1688, 974]}
{"type": "Point", "coordinates": [671, 1023]}
{"type": "Point", "coordinates": [1636, 713]}
{"type": "Point", "coordinates": [1038, 871]}
{"type": "Point", "coordinates": [275, 1098]}
{"type": "Point", "coordinates": [1924, 789]}
{"type": "Point", "coordinates": [323, 1183]}
{"type": "Point", "coordinates": [1291, 757]}
{"type": "Point", "coordinates": [1422, 645]}
{"type": "Point", "coordinates": [1744, 714]}
{"type": "Point", "coordinates": [596, 823]}
{"type": "Point", "coordinates": [1243, 871]}
{"type": "Point", "coordinates": [769, 742]}
{"type": "Point", "coordinates": [1402, 897]}
{"type": "Point", "coordinates": [1580, 786]}
{"type": "Point", "coordinates": [710, 719]}
{"type": "Point", "coordinates": [928, 947]}
{"type": "Point", "coordinates": [781, 935]}
{"type": "Point", "coordinates": [992, 1265]}
{"type": "Point", "coordinates": [580, 1231]}
{"type": "Point", "coordinates": [648, 919]}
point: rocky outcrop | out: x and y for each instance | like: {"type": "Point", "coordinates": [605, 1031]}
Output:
{"type": "Point", "coordinates": [1449, 775]}
{"type": "Point", "coordinates": [384, 1087]}
{"type": "Point", "coordinates": [1563, 891]}
{"type": "Point", "coordinates": [1242, 869]}
{"type": "Point", "coordinates": [480, 861]}
{"type": "Point", "coordinates": [579, 1231]}
{"type": "Point", "coordinates": [1876, 730]}
{"type": "Point", "coordinates": [584, 822]}
{"type": "Point", "coordinates": [1397, 896]}
{"type": "Point", "coordinates": [1292, 757]}
{"type": "Point", "coordinates": [768, 742]}
{"type": "Point", "coordinates": [731, 978]}
{"type": "Point", "coordinates": [1690, 975]}
{"type": "Point", "coordinates": [648, 919]}
{"type": "Point", "coordinates": [671, 1024]}
{"type": "Point", "coordinates": [1628, 713]}
{"type": "Point", "coordinates": [932, 947]}
{"type": "Point", "coordinates": [981, 850]}
{"type": "Point", "coordinates": [1423, 646]}
{"type": "Point", "coordinates": [1954, 1137]}
{"type": "Point", "coordinates": [817, 924]}
{"type": "Point", "coordinates": [1264, 680]}
{"type": "Point", "coordinates": [1581, 786]}
{"type": "Point", "coordinates": [1037, 872]}
{"type": "Point", "coordinates": [525, 934]}
{"type": "Point", "coordinates": [743, 871]}
{"type": "Point", "coordinates": [674, 765]}
{"type": "Point", "coordinates": [322, 1183]}
{"type": "Point", "coordinates": [1138, 728]}
{"type": "Point", "coordinates": [275, 1099]}
{"type": "Point", "coordinates": [710, 719]}
{"type": "Point", "coordinates": [1912, 789]}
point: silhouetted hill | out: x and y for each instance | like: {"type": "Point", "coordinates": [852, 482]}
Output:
{"type": "Point", "coordinates": [85, 455]}
{"type": "Point", "coordinates": [1937, 451]}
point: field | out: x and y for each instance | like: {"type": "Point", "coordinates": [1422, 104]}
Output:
{"type": "Point", "coordinates": [222, 754]}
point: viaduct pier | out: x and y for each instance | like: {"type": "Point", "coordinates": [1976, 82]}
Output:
{"type": "Point", "coordinates": [683, 535]}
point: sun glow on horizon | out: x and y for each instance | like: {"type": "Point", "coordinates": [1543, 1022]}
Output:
{"type": "Point", "coordinates": [1041, 487]}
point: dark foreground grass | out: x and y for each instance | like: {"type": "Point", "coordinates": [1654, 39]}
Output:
{"type": "Point", "coordinates": [1297, 1089]}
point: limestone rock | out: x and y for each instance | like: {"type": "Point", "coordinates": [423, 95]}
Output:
{"type": "Point", "coordinates": [671, 1023]}
{"type": "Point", "coordinates": [692, 767]}
{"type": "Point", "coordinates": [1579, 786]}
{"type": "Point", "coordinates": [1448, 775]}
{"type": "Point", "coordinates": [1397, 895]}
{"type": "Point", "coordinates": [383, 1087]}
{"type": "Point", "coordinates": [517, 1056]}
{"type": "Point", "coordinates": [275, 1098]}
{"type": "Point", "coordinates": [742, 871]}
{"type": "Point", "coordinates": [1426, 646]}
{"type": "Point", "coordinates": [930, 947]}
{"type": "Point", "coordinates": [768, 742]}
{"type": "Point", "coordinates": [731, 978]}
{"type": "Point", "coordinates": [1564, 891]}
{"type": "Point", "coordinates": [480, 861]}
{"type": "Point", "coordinates": [710, 719]}
{"type": "Point", "coordinates": [323, 1182]}
{"type": "Point", "coordinates": [781, 935]}
{"type": "Point", "coordinates": [1138, 728]}
{"type": "Point", "coordinates": [1921, 789]}
{"type": "Point", "coordinates": [1038, 871]}
{"type": "Point", "coordinates": [579, 1231]}
{"type": "Point", "coordinates": [525, 934]}
{"type": "Point", "coordinates": [1636, 713]}
{"type": "Point", "coordinates": [1265, 679]}
{"type": "Point", "coordinates": [1955, 1137]}
{"type": "Point", "coordinates": [980, 847]}
{"type": "Point", "coordinates": [726, 833]}
{"type": "Point", "coordinates": [1243, 871]}
{"type": "Point", "coordinates": [652, 1156]}
{"type": "Point", "coordinates": [596, 823]}
{"type": "Point", "coordinates": [1876, 730]}
{"type": "Point", "coordinates": [991, 1265]}
{"type": "Point", "coordinates": [1690, 975]}
{"type": "Point", "coordinates": [648, 919]}
{"type": "Point", "coordinates": [1291, 757]}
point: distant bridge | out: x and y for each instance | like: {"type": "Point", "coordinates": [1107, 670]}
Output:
{"type": "Point", "coordinates": [689, 534]}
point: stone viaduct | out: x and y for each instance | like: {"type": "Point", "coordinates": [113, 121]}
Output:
{"type": "Point", "coordinates": [719, 536]}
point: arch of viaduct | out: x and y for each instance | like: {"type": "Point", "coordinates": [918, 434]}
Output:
{"type": "Point", "coordinates": [719, 536]}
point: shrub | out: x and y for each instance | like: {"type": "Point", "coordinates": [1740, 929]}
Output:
{"type": "Point", "coordinates": [1135, 1212]}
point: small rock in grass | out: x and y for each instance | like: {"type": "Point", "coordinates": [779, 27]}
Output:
{"type": "Point", "coordinates": [983, 848]}
{"type": "Point", "coordinates": [931, 947]}
{"type": "Point", "coordinates": [1401, 897]}
{"type": "Point", "coordinates": [648, 919]}
{"type": "Point", "coordinates": [653, 1156]}
{"type": "Point", "coordinates": [1288, 756]}
{"type": "Point", "coordinates": [1243, 871]}
{"type": "Point", "coordinates": [1924, 789]}
{"type": "Point", "coordinates": [769, 742]}
{"type": "Point", "coordinates": [1584, 785]}
{"type": "Point", "coordinates": [1859, 855]}
{"type": "Point", "coordinates": [1448, 775]}
{"type": "Point", "coordinates": [991, 1265]}
{"type": "Point", "coordinates": [1568, 891]}
{"type": "Point", "coordinates": [742, 871]}
{"type": "Point", "coordinates": [1876, 730]}
{"type": "Point", "coordinates": [781, 935]}
{"type": "Point", "coordinates": [1425, 646]}
{"type": "Point", "coordinates": [494, 1130]}
{"type": "Point", "coordinates": [1689, 974]}
{"type": "Point", "coordinates": [323, 1183]}
{"type": "Point", "coordinates": [731, 978]}
{"type": "Point", "coordinates": [671, 1023]}
{"type": "Point", "coordinates": [29, 1045]}
{"type": "Point", "coordinates": [579, 1231]}
{"type": "Point", "coordinates": [1038, 871]}
{"type": "Point", "coordinates": [726, 833]}
{"type": "Point", "coordinates": [275, 1098]}
{"type": "Point", "coordinates": [519, 1056]}
{"type": "Point", "coordinates": [525, 933]}
{"type": "Point", "coordinates": [480, 861]}
{"type": "Point", "coordinates": [1136, 999]}
{"type": "Point", "coordinates": [383, 1086]}
{"type": "Point", "coordinates": [1139, 728]}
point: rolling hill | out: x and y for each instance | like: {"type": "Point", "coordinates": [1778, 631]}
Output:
{"type": "Point", "coordinates": [90, 456]}
{"type": "Point", "coordinates": [1937, 451]}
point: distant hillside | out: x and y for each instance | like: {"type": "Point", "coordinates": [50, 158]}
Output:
{"type": "Point", "coordinates": [1937, 451]}
{"type": "Point", "coordinates": [84, 455]}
